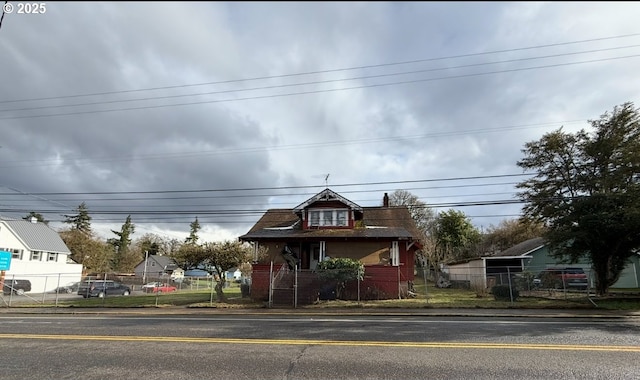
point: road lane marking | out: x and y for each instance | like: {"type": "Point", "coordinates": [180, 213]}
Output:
{"type": "Point", "coordinates": [533, 346]}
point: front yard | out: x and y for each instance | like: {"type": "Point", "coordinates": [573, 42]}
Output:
{"type": "Point", "coordinates": [426, 297]}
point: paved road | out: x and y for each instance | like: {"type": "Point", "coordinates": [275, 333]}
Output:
{"type": "Point", "coordinates": [266, 345]}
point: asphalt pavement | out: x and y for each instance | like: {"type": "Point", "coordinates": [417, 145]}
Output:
{"type": "Point", "coordinates": [427, 312]}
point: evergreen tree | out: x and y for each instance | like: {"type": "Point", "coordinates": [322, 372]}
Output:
{"type": "Point", "coordinates": [38, 216]}
{"type": "Point", "coordinates": [80, 221]}
{"type": "Point", "coordinates": [121, 244]}
{"type": "Point", "coordinates": [193, 234]}
{"type": "Point", "coordinates": [586, 190]}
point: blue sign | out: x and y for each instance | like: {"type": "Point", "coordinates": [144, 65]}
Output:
{"type": "Point", "coordinates": [5, 260]}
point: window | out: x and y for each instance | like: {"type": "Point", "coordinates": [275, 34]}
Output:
{"type": "Point", "coordinates": [329, 217]}
{"type": "Point", "coordinates": [314, 218]}
{"type": "Point", "coordinates": [15, 253]}
{"type": "Point", "coordinates": [395, 254]}
{"type": "Point", "coordinates": [36, 255]}
{"type": "Point", "coordinates": [52, 256]}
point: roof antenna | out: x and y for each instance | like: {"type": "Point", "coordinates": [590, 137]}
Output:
{"type": "Point", "coordinates": [326, 181]}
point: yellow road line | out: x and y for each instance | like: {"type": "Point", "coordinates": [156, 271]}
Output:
{"type": "Point", "coordinates": [533, 346]}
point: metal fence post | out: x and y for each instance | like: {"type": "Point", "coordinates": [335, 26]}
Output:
{"type": "Point", "coordinates": [399, 290]}
{"type": "Point", "coordinates": [44, 293]}
{"type": "Point", "coordinates": [271, 285]}
{"type": "Point", "coordinates": [510, 287]}
{"type": "Point", "coordinates": [426, 293]}
{"type": "Point", "coordinates": [295, 287]}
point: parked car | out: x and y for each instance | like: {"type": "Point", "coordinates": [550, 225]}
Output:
{"type": "Point", "coordinates": [16, 286]}
{"type": "Point", "coordinates": [159, 288]}
{"type": "Point", "coordinates": [150, 285]}
{"type": "Point", "coordinates": [71, 287]}
{"type": "Point", "coordinates": [102, 288]}
{"type": "Point", "coordinates": [562, 278]}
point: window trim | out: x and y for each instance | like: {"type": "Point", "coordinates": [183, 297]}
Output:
{"type": "Point", "coordinates": [339, 217]}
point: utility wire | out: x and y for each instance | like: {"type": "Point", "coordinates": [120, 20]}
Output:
{"type": "Point", "coordinates": [309, 83]}
{"type": "Point", "coordinates": [318, 91]}
{"type": "Point", "coordinates": [3, 12]}
{"type": "Point", "coordinates": [277, 188]}
{"type": "Point", "coordinates": [326, 71]}
{"type": "Point", "coordinates": [128, 158]}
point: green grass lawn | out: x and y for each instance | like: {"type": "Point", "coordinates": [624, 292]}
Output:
{"type": "Point", "coordinates": [427, 297]}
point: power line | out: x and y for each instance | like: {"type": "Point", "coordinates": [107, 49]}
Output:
{"type": "Point", "coordinates": [259, 212]}
{"type": "Point", "coordinates": [317, 91]}
{"type": "Point", "coordinates": [275, 188]}
{"type": "Point", "coordinates": [164, 97]}
{"type": "Point", "coordinates": [128, 158]}
{"type": "Point", "coordinates": [326, 71]}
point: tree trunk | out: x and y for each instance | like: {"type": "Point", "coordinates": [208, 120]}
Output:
{"type": "Point", "coordinates": [219, 292]}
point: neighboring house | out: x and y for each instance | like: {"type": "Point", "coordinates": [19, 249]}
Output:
{"type": "Point", "coordinates": [385, 239]}
{"type": "Point", "coordinates": [154, 266]}
{"type": "Point", "coordinates": [196, 273]}
{"type": "Point", "coordinates": [38, 254]}
{"type": "Point", "coordinates": [234, 274]}
{"type": "Point", "coordinates": [531, 256]}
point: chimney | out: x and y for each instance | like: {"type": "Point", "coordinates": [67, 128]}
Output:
{"type": "Point", "coordinates": [385, 200]}
{"type": "Point", "coordinates": [34, 219]}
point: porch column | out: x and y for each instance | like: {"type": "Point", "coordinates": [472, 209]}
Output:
{"type": "Point", "coordinates": [323, 248]}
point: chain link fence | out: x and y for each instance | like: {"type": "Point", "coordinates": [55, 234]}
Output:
{"type": "Point", "coordinates": [50, 289]}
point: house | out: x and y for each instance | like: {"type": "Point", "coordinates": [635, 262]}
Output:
{"type": "Point", "coordinates": [38, 254]}
{"type": "Point", "coordinates": [156, 266]}
{"type": "Point", "coordinates": [531, 256]}
{"type": "Point", "coordinates": [484, 272]}
{"type": "Point", "coordinates": [384, 238]}
{"type": "Point", "coordinates": [234, 274]}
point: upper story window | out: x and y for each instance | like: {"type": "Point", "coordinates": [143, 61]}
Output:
{"type": "Point", "coordinates": [15, 253]}
{"type": "Point", "coordinates": [329, 217]}
{"type": "Point", "coordinates": [36, 256]}
{"type": "Point", "coordinates": [52, 256]}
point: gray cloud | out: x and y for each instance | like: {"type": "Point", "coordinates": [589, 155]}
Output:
{"type": "Point", "coordinates": [434, 127]}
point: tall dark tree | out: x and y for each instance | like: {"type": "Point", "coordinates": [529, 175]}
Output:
{"type": "Point", "coordinates": [193, 233]}
{"type": "Point", "coordinates": [586, 189]}
{"type": "Point", "coordinates": [37, 215]}
{"type": "Point", "coordinates": [81, 221]}
{"type": "Point", "coordinates": [121, 259]}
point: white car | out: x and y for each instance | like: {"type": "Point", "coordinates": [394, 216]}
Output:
{"type": "Point", "coordinates": [151, 285]}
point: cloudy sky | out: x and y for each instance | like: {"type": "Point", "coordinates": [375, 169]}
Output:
{"type": "Point", "coordinates": [170, 111]}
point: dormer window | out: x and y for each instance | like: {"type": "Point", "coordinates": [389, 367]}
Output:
{"type": "Point", "coordinates": [329, 217]}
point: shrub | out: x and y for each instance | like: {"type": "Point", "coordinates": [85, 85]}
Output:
{"type": "Point", "coordinates": [339, 271]}
{"type": "Point", "coordinates": [504, 293]}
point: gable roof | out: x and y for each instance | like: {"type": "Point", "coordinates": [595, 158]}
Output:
{"type": "Point", "coordinates": [326, 195]}
{"type": "Point", "coordinates": [522, 249]}
{"type": "Point", "coordinates": [379, 222]}
{"type": "Point", "coordinates": [37, 236]}
{"type": "Point", "coordinates": [162, 261]}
